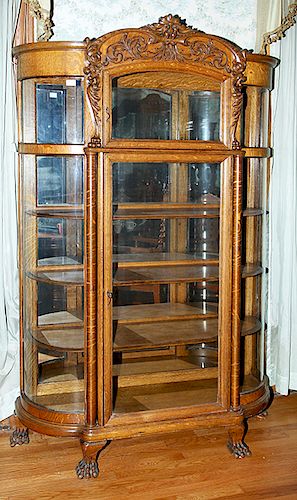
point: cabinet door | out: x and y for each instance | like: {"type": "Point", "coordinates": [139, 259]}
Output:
{"type": "Point", "coordinates": [164, 278]}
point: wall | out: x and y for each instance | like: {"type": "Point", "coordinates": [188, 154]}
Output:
{"type": "Point", "coordinates": [76, 19]}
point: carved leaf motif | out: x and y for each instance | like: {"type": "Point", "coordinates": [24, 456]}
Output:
{"type": "Point", "coordinates": [171, 27]}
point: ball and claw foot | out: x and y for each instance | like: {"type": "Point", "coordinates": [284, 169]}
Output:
{"type": "Point", "coordinates": [19, 436]}
{"type": "Point", "coordinates": [239, 449]}
{"type": "Point", "coordinates": [87, 469]}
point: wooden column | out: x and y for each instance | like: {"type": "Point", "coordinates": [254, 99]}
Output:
{"type": "Point", "coordinates": [90, 268]}
{"type": "Point", "coordinates": [236, 283]}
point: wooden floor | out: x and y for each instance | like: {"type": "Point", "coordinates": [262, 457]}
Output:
{"type": "Point", "coordinates": [179, 466]}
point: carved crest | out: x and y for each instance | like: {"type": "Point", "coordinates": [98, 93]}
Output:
{"type": "Point", "coordinates": [168, 40]}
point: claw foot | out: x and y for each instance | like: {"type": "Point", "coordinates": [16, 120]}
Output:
{"type": "Point", "coordinates": [87, 469]}
{"type": "Point", "coordinates": [239, 449]}
{"type": "Point", "coordinates": [19, 436]}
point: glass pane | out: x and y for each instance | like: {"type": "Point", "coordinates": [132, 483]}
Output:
{"type": "Point", "coordinates": [53, 345]}
{"type": "Point", "coordinates": [166, 183]}
{"type": "Point", "coordinates": [141, 114]}
{"type": "Point", "coordinates": [53, 281]}
{"type": "Point", "coordinates": [165, 106]}
{"type": "Point", "coordinates": [59, 180]}
{"type": "Point", "coordinates": [53, 111]}
{"type": "Point", "coordinates": [204, 116]}
{"type": "Point", "coordinates": [165, 284]}
{"type": "Point", "coordinates": [60, 241]}
{"type": "Point", "coordinates": [158, 239]}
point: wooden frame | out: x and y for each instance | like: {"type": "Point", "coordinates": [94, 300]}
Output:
{"type": "Point", "coordinates": [171, 51]}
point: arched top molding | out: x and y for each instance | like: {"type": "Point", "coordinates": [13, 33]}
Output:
{"type": "Point", "coordinates": [169, 43]}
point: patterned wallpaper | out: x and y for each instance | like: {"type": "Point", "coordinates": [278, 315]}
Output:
{"type": "Point", "coordinates": [232, 19]}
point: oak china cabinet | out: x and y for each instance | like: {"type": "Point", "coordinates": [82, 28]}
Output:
{"type": "Point", "coordinates": [143, 174]}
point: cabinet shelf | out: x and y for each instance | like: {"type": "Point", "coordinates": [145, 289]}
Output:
{"type": "Point", "coordinates": [59, 319]}
{"type": "Point", "coordinates": [155, 272]}
{"type": "Point", "coordinates": [143, 335]}
{"type": "Point", "coordinates": [164, 259]}
{"type": "Point", "coordinates": [164, 211]}
{"type": "Point", "coordinates": [63, 278]}
{"type": "Point", "coordinates": [58, 212]}
{"type": "Point", "coordinates": [252, 212]}
{"type": "Point", "coordinates": [152, 313]}
{"type": "Point", "coordinates": [161, 372]}
{"type": "Point", "coordinates": [62, 261]}
{"type": "Point", "coordinates": [250, 270]}
{"type": "Point", "coordinates": [175, 274]}
{"type": "Point", "coordinates": [60, 340]}
{"type": "Point", "coordinates": [167, 334]}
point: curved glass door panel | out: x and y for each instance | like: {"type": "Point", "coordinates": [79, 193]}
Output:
{"type": "Point", "coordinates": [165, 238]}
{"type": "Point", "coordinates": [165, 106]}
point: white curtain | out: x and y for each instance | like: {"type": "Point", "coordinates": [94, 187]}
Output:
{"type": "Point", "coordinates": [282, 294]}
{"type": "Point", "coordinates": [9, 292]}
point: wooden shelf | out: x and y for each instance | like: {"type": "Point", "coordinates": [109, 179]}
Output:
{"type": "Point", "coordinates": [133, 275]}
{"type": "Point", "coordinates": [64, 340]}
{"type": "Point", "coordinates": [250, 325]}
{"type": "Point", "coordinates": [142, 331]}
{"type": "Point", "coordinates": [163, 259]}
{"type": "Point", "coordinates": [252, 212]}
{"type": "Point", "coordinates": [61, 318]}
{"type": "Point", "coordinates": [174, 274]}
{"type": "Point", "coordinates": [152, 313]}
{"type": "Point", "coordinates": [63, 278]}
{"type": "Point", "coordinates": [59, 261]}
{"type": "Point", "coordinates": [67, 211]}
{"type": "Point", "coordinates": [250, 270]}
{"type": "Point", "coordinates": [161, 372]}
{"type": "Point", "coordinates": [166, 334]}
{"type": "Point", "coordinates": [165, 211]}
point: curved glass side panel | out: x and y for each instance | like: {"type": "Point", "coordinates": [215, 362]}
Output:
{"type": "Point", "coordinates": [53, 111]}
{"type": "Point", "coordinates": [59, 180]}
{"type": "Point", "coordinates": [53, 282]}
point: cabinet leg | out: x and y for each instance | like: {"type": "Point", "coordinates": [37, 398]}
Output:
{"type": "Point", "coordinates": [19, 436]}
{"type": "Point", "coordinates": [236, 444]}
{"type": "Point", "coordinates": [88, 466]}
{"type": "Point", "coordinates": [262, 415]}
{"type": "Point", "coordinates": [20, 433]}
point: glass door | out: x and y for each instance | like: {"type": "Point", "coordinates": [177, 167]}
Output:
{"type": "Point", "coordinates": [165, 240]}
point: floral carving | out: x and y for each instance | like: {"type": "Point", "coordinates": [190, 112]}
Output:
{"type": "Point", "coordinates": [171, 27]}
{"type": "Point", "coordinates": [168, 40]}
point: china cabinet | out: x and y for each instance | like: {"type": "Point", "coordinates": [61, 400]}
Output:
{"type": "Point", "coordinates": [143, 173]}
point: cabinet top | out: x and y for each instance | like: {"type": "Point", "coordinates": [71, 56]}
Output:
{"type": "Point", "coordinates": [169, 42]}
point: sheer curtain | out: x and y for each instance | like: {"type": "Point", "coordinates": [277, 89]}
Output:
{"type": "Point", "coordinates": [282, 293]}
{"type": "Point", "coordinates": [9, 292]}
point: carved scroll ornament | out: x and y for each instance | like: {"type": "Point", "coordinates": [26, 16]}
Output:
{"type": "Point", "coordinates": [168, 40]}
